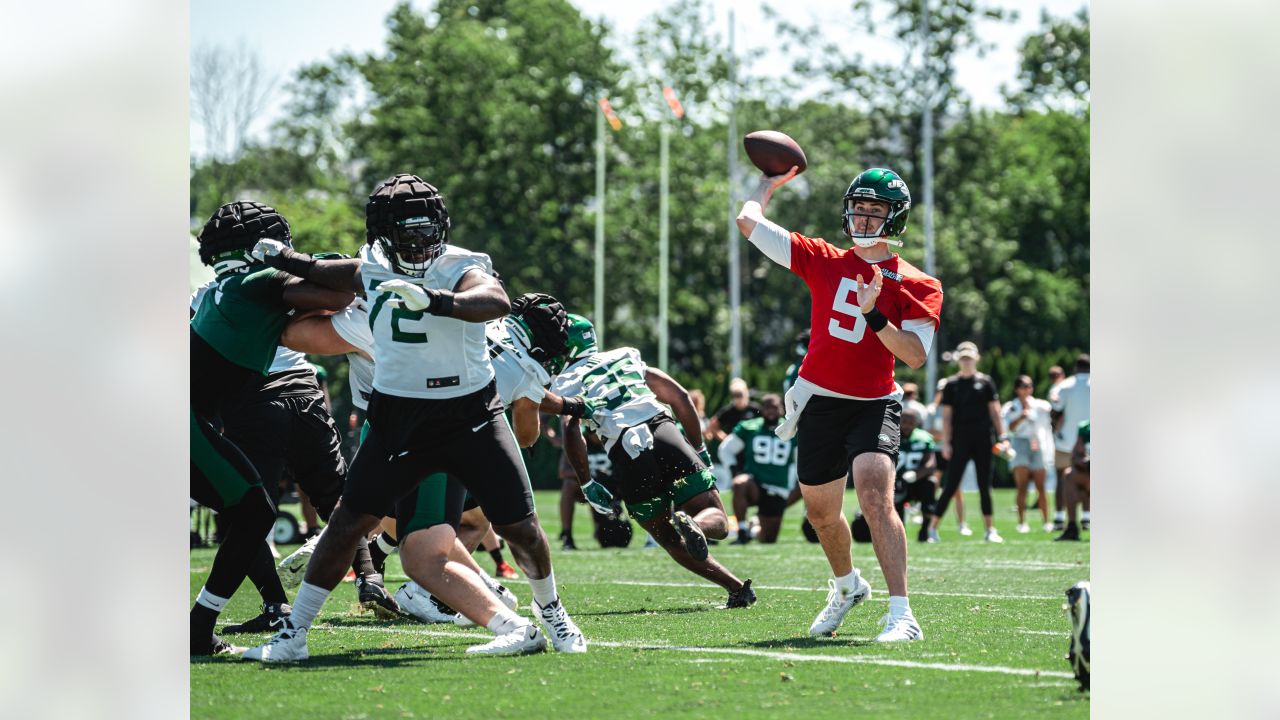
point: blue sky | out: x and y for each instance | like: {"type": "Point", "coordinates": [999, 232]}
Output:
{"type": "Point", "coordinates": [292, 33]}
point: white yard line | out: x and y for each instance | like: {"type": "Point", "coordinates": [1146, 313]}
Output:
{"type": "Point", "coordinates": [1054, 633]}
{"type": "Point", "coordinates": [789, 656]}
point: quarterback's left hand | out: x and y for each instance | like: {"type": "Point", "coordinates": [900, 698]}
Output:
{"type": "Point", "coordinates": [868, 292]}
{"type": "Point", "coordinates": [411, 296]}
{"type": "Point", "coordinates": [266, 248]}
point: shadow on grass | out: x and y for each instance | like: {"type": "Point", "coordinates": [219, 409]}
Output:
{"type": "Point", "coordinates": [809, 642]}
{"type": "Point", "coordinates": [647, 611]}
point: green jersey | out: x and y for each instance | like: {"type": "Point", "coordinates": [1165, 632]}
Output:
{"type": "Point", "coordinates": [243, 315]}
{"type": "Point", "coordinates": [915, 451]}
{"type": "Point", "coordinates": [767, 457]}
{"type": "Point", "coordinates": [1083, 434]}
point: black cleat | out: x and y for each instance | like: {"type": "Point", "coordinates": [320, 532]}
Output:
{"type": "Point", "coordinates": [1071, 533]}
{"type": "Point", "coordinates": [567, 542]}
{"type": "Point", "coordinates": [694, 541]}
{"type": "Point", "coordinates": [271, 619]}
{"type": "Point", "coordinates": [374, 597]}
{"type": "Point", "coordinates": [742, 597]}
{"type": "Point", "coordinates": [214, 646]}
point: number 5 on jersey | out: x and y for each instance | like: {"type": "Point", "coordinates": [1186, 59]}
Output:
{"type": "Point", "coordinates": [842, 305]}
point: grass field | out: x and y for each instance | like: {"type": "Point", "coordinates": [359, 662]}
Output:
{"type": "Point", "coordinates": [661, 644]}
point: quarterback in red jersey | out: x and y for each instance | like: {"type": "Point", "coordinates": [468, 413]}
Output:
{"type": "Point", "coordinates": [869, 309]}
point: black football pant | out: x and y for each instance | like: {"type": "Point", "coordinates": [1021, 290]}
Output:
{"type": "Point", "coordinates": [966, 447]}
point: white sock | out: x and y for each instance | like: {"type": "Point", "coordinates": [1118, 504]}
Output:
{"type": "Point", "coordinates": [898, 605]}
{"type": "Point", "coordinates": [849, 582]}
{"type": "Point", "coordinates": [504, 621]}
{"type": "Point", "coordinates": [307, 604]}
{"type": "Point", "coordinates": [1084, 515]}
{"type": "Point", "coordinates": [544, 590]}
{"type": "Point", "coordinates": [1059, 515]}
{"type": "Point", "coordinates": [385, 546]}
{"type": "Point", "coordinates": [211, 601]}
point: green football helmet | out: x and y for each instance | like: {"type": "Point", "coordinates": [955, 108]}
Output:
{"type": "Point", "coordinates": [883, 185]}
{"type": "Point", "coordinates": [582, 339]}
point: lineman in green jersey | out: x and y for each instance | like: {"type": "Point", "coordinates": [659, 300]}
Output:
{"type": "Point", "coordinates": [916, 480]}
{"type": "Point", "coordinates": [663, 477]}
{"type": "Point", "coordinates": [1077, 483]}
{"type": "Point", "coordinates": [768, 480]}
{"type": "Point", "coordinates": [235, 330]}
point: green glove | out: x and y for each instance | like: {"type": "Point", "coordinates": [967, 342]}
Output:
{"type": "Point", "coordinates": [705, 457]}
{"type": "Point", "coordinates": [599, 497]}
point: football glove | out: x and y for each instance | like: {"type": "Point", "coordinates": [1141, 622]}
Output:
{"type": "Point", "coordinates": [411, 296]}
{"type": "Point", "coordinates": [705, 456]}
{"type": "Point", "coordinates": [265, 248]}
{"type": "Point", "coordinates": [599, 497]}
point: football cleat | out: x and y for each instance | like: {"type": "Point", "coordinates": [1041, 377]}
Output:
{"type": "Point", "coordinates": [1071, 533]}
{"type": "Point", "coordinates": [1049, 527]}
{"type": "Point", "coordinates": [566, 541]}
{"type": "Point", "coordinates": [374, 597]}
{"type": "Point", "coordinates": [565, 635]}
{"type": "Point", "coordinates": [422, 605]}
{"type": "Point", "coordinates": [1023, 528]}
{"type": "Point", "coordinates": [288, 644]}
{"type": "Point", "coordinates": [964, 529]}
{"type": "Point", "coordinates": [505, 571]}
{"type": "Point", "coordinates": [214, 646]}
{"type": "Point", "coordinates": [504, 595]}
{"type": "Point", "coordinates": [742, 597]}
{"type": "Point", "coordinates": [273, 615]}
{"type": "Point", "coordinates": [992, 536]}
{"type": "Point", "coordinates": [694, 541]}
{"type": "Point", "coordinates": [294, 567]}
{"type": "Point", "coordinates": [523, 640]}
{"type": "Point", "coordinates": [838, 605]}
{"type": "Point", "coordinates": [900, 628]}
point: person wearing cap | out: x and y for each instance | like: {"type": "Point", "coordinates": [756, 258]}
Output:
{"type": "Point", "coordinates": [971, 422]}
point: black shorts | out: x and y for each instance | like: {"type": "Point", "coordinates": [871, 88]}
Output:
{"type": "Point", "coordinates": [467, 437]}
{"type": "Point", "coordinates": [292, 432]}
{"type": "Point", "coordinates": [834, 431]}
{"type": "Point", "coordinates": [770, 505]}
{"type": "Point", "coordinates": [654, 471]}
{"type": "Point", "coordinates": [920, 491]}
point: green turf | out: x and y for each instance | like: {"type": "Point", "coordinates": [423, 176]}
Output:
{"type": "Point", "coordinates": [670, 650]}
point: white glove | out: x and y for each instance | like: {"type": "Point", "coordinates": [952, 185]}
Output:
{"type": "Point", "coordinates": [412, 296]}
{"type": "Point", "coordinates": [266, 248]}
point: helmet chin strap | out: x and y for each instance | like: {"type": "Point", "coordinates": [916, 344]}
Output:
{"type": "Point", "coordinates": [867, 242]}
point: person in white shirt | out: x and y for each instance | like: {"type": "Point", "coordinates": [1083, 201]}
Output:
{"type": "Point", "coordinates": [1028, 420]}
{"type": "Point", "coordinates": [1070, 401]}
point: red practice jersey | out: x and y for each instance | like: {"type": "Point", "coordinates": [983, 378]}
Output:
{"type": "Point", "coordinates": [844, 356]}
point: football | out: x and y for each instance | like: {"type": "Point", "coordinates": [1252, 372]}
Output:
{"type": "Point", "coordinates": [774, 152]}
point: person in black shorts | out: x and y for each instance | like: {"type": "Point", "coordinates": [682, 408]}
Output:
{"type": "Point", "coordinates": [971, 424]}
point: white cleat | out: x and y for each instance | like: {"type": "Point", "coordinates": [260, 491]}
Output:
{"type": "Point", "coordinates": [1023, 528]}
{"type": "Point", "coordinates": [992, 536]}
{"type": "Point", "coordinates": [901, 628]}
{"type": "Point", "coordinates": [294, 567]}
{"type": "Point", "coordinates": [504, 595]}
{"type": "Point", "coordinates": [520, 641]}
{"type": "Point", "coordinates": [288, 645]}
{"type": "Point", "coordinates": [1048, 527]}
{"type": "Point", "coordinates": [838, 605]}
{"type": "Point", "coordinates": [964, 530]}
{"type": "Point", "coordinates": [565, 635]}
{"type": "Point", "coordinates": [416, 601]}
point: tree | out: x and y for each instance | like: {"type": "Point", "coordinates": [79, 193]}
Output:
{"type": "Point", "coordinates": [1054, 71]}
{"type": "Point", "coordinates": [229, 91]}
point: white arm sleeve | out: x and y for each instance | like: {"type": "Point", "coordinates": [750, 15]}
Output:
{"type": "Point", "coordinates": [729, 449]}
{"type": "Point", "coordinates": [923, 329]}
{"type": "Point", "coordinates": [773, 241]}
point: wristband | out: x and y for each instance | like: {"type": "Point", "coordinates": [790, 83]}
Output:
{"type": "Point", "coordinates": [292, 262]}
{"type": "Point", "coordinates": [875, 319]}
{"type": "Point", "coordinates": [574, 407]}
{"type": "Point", "coordinates": [441, 302]}
{"type": "Point", "coordinates": [1003, 436]}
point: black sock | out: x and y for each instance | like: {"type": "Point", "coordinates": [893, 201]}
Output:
{"type": "Point", "coordinates": [496, 554]}
{"type": "Point", "coordinates": [262, 573]}
{"type": "Point", "coordinates": [363, 563]}
{"type": "Point", "coordinates": [202, 621]}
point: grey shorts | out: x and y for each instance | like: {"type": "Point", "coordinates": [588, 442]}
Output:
{"type": "Point", "coordinates": [1025, 457]}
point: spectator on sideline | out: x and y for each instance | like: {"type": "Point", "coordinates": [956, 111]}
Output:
{"type": "Point", "coordinates": [739, 408]}
{"type": "Point", "coordinates": [1056, 376]}
{"type": "Point", "coordinates": [911, 399]}
{"type": "Point", "coordinates": [1027, 418]}
{"type": "Point", "coordinates": [970, 423]}
{"type": "Point", "coordinates": [933, 422]}
{"type": "Point", "coordinates": [1070, 401]}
